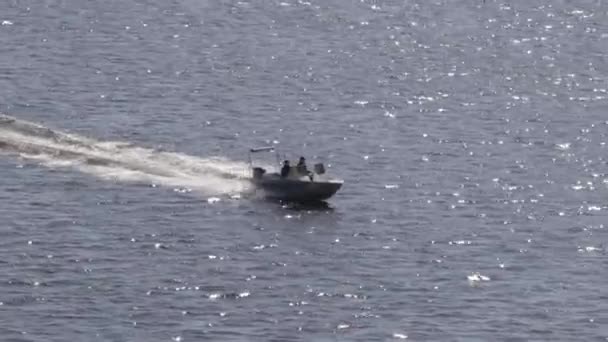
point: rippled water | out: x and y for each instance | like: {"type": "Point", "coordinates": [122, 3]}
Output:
{"type": "Point", "coordinates": [471, 137]}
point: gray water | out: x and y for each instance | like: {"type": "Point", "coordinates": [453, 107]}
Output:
{"type": "Point", "coordinates": [471, 136]}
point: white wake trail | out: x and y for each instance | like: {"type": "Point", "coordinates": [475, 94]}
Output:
{"type": "Point", "coordinates": [120, 161]}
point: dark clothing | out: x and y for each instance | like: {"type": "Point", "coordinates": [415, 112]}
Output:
{"type": "Point", "coordinates": [302, 169]}
{"type": "Point", "coordinates": [285, 171]}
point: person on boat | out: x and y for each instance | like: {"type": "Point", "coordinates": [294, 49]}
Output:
{"type": "Point", "coordinates": [285, 169]}
{"type": "Point", "coordinates": [301, 167]}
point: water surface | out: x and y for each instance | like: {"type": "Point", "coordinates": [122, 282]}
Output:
{"type": "Point", "coordinates": [471, 137]}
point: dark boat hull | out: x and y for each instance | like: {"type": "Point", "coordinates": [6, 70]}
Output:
{"type": "Point", "coordinates": [290, 190]}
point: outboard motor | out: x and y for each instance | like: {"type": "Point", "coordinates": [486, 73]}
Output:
{"type": "Point", "coordinates": [319, 168]}
{"type": "Point", "coordinates": [258, 172]}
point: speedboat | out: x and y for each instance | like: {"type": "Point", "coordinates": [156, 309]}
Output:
{"type": "Point", "coordinates": [313, 186]}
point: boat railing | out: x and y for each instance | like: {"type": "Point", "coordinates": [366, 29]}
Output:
{"type": "Point", "coordinates": [262, 149]}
